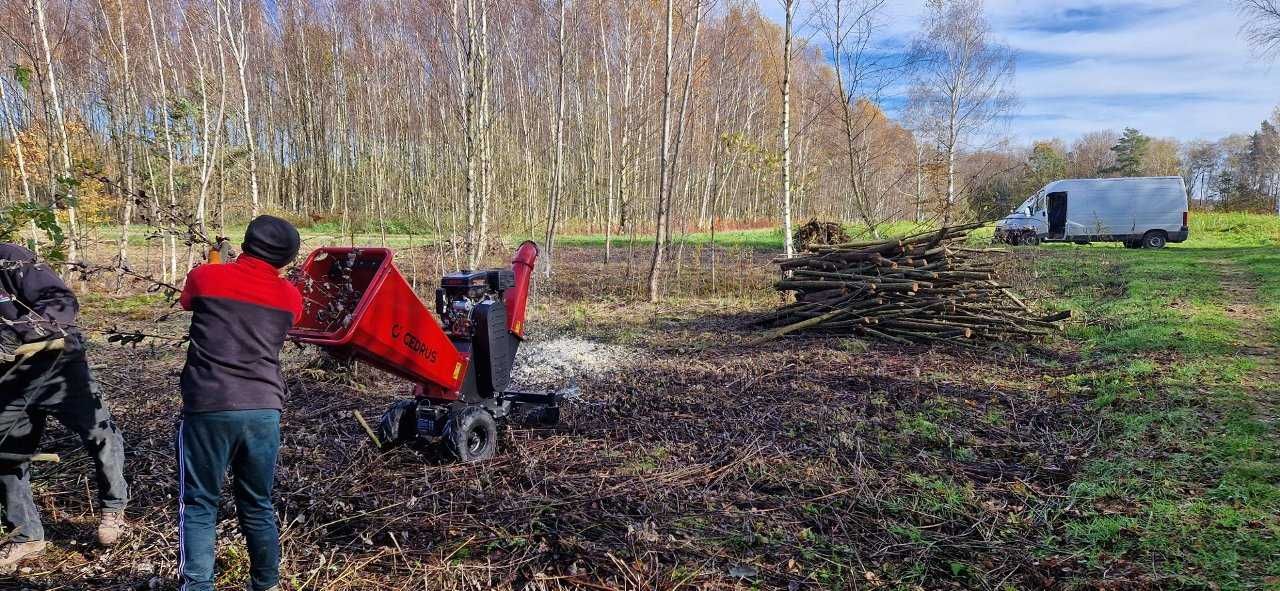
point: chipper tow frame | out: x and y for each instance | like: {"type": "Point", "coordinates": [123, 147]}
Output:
{"type": "Point", "coordinates": [359, 306]}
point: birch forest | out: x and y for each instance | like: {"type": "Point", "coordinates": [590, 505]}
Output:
{"type": "Point", "coordinates": [468, 120]}
{"type": "Point", "coordinates": [462, 118]}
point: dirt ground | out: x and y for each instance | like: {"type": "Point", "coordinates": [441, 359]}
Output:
{"type": "Point", "coordinates": [683, 459]}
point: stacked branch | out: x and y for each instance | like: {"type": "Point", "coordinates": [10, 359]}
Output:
{"type": "Point", "coordinates": [926, 288]}
{"type": "Point", "coordinates": [815, 234]}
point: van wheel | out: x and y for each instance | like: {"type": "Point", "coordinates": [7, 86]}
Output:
{"type": "Point", "coordinates": [1154, 239]}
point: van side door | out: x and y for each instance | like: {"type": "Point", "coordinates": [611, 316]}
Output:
{"type": "Point", "coordinates": [1057, 209]}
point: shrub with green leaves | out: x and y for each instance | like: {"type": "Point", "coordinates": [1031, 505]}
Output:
{"type": "Point", "coordinates": [19, 216]}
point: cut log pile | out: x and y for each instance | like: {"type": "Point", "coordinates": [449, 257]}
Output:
{"type": "Point", "coordinates": [926, 288]}
{"type": "Point", "coordinates": [816, 233]}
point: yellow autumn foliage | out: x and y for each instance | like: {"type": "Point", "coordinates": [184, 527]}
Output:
{"type": "Point", "coordinates": [95, 203]}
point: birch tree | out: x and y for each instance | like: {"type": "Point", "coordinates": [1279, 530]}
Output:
{"type": "Point", "coordinates": [170, 271]}
{"type": "Point", "coordinates": [67, 181]}
{"type": "Point", "coordinates": [553, 208]}
{"type": "Point", "coordinates": [237, 41]}
{"type": "Point", "coordinates": [964, 82]}
{"type": "Point", "coordinates": [878, 155]}
{"type": "Point", "coordinates": [19, 156]}
{"type": "Point", "coordinates": [789, 9]}
{"type": "Point", "coordinates": [473, 78]}
{"type": "Point", "coordinates": [662, 208]}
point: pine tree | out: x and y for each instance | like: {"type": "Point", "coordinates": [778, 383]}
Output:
{"type": "Point", "coordinates": [1130, 153]}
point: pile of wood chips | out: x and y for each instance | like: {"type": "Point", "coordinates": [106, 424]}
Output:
{"type": "Point", "coordinates": [921, 289]}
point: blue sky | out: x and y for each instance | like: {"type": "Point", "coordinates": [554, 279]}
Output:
{"type": "Point", "coordinates": [1172, 68]}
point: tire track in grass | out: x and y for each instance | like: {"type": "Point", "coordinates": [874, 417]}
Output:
{"type": "Point", "coordinates": [1257, 339]}
{"type": "Point", "coordinates": [1183, 492]}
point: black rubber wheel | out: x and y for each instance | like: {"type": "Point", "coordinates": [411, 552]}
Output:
{"type": "Point", "coordinates": [399, 423]}
{"type": "Point", "coordinates": [471, 434]}
{"type": "Point", "coordinates": [1154, 239]}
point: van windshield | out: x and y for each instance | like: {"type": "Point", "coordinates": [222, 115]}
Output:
{"type": "Point", "coordinates": [1027, 206]}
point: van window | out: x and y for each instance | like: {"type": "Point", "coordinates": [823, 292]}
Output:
{"type": "Point", "coordinates": [1028, 207]}
{"type": "Point", "coordinates": [1022, 209]}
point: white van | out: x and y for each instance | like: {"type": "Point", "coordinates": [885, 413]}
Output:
{"type": "Point", "coordinates": [1141, 212]}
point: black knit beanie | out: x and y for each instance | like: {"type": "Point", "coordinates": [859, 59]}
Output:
{"type": "Point", "coordinates": [271, 239]}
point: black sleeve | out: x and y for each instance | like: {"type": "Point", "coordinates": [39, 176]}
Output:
{"type": "Point", "coordinates": [41, 291]}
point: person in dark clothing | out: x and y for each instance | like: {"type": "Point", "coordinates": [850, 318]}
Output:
{"type": "Point", "coordinates": [232, 395]}
{"type": "Point", "coordinates": [38, 314]}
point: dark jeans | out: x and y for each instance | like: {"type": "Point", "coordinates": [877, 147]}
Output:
{"type": "Point", "coordinates": [247, 442]}
{"type": "Point", "coordinates": [56, 384]}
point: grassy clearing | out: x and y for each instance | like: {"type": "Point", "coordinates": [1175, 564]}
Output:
{"type": "Point", "coordinates": [1234, 230]}
{"type": "Point", "coordinates": [400, 235]}
{"type": "Point", "coordinates": [760, 238]}
{"type": "Point", "coordinates": [1185, 486]}
{"type": "Point", "coordinates": [131, 307]}
{"type": "Point", "coordinates": [1148, 461]}
{"type": "Point", "coordinates": [1264, 265]}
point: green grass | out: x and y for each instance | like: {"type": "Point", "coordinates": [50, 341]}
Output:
{"type": "Point", "coordinates": [1186, 481]}
{"type": "Point", "coordinates": [1218, 230]}
{"type": "Point", "coordinates": [759, 238]}
{"type": "Point", "coordinates": [1134, 301]}
{"type": "Point", "coordinates": [764, 238]}
{"type": "Point", "coordinates": [1264, 265]}
{"type": "Point", "coordinates": [133, 307]}
{"type": "Point", "coordinates": [399, 234]}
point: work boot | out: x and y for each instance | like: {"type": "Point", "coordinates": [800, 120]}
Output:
{"type": "Point", "coordinates": [13, 553]}
{"type": "Point", "coordinates": [110, 528]}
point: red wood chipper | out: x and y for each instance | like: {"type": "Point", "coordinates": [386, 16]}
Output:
{"type": "Point", "coordinates": [359, 306]}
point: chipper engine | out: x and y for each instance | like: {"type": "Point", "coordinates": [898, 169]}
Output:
{"type": "Point", "coordinates": [357, 305]}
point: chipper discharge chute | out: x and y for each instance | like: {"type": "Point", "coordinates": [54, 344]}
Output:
{"type": "Point", "coordinates": [357, 305]}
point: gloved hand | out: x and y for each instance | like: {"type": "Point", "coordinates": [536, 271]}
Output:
{"type": "Point", "coordinates": [221, 252]}
{"type": "Point", "coordinates": [29, 349]}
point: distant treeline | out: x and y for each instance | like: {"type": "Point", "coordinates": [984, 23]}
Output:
{"type": "Point", "coordinates": [472, 118]}
{"type": "Point", "coordinates": [1236, 173]}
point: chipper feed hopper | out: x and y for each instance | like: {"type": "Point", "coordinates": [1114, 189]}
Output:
{"type": "Point", "coordinates": [357, 305]}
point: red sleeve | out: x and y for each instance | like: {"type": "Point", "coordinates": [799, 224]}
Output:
{"type": "Point", "coordinates": [189, 290]}
{"type": "Point", "coordinates": [296, 298]}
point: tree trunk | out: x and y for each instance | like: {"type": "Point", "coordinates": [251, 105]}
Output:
{"type": "Point", "coordinates": [786, 129]}
{"type": "Point", "coordinates": [65, 152]}
{"type": "Point", "coordinates": [170, 271]}
{"type": "Point", "coordinates": [663, 201]}
{"type": "Point", "coordinates": [608, 130]}
{"type": "Point", "coordinates": [240, 52]}
{"type": "Point", "coordinates": [553, 210]}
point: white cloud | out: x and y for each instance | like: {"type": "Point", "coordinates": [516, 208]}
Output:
{"type": "Point", "coordinates": [1169, 67]}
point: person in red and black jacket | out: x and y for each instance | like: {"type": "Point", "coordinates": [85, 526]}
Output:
{"type": "Point", "coordinates": [232, 396]}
